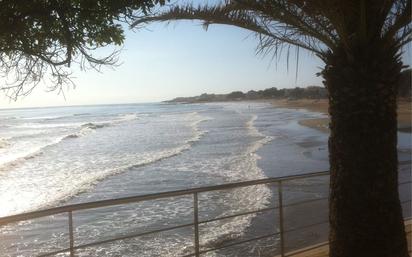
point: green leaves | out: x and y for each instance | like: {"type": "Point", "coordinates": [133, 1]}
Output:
{"type": "Point", "coordinates": [43, 37]}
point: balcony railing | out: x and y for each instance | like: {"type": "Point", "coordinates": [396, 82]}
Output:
{"type": "Point", "coordinates": [72, 209]}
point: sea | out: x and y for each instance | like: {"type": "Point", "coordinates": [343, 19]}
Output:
{"type": "Point", "coordinates": [58, 156]}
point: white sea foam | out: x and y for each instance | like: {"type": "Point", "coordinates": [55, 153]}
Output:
{"type": "Point", "coordinates": [71, 183]}
{"type": "Point", "coordinates": [49, 117]}
{"type": "Point", "coordinates": [127, 117]}
{"type": "Point", "coordinates": [242, 167]}
{"type": "Point", "coordinates": [92, 126]}
{"type": "Point", "coordinates": [35, 125]}
{"type": "Point", "coordinates": [13, 159]}
{"type": "Point", "coordinates": [150, 157]}
{"type": "Point", "coordinates": [254, 132]}
{"type": "Point", "coordinates": [196, 120]}
{"type": "Point", "coordinates": [54, 117]}
{"type": "Point", "coordinates": [47, 125]}
{"type": "Point", "coordinates": [4, 143]}
{"type": "Point", "coordinates": [82, 175]}
{"type": "Point", "coordinates": [251, 198]}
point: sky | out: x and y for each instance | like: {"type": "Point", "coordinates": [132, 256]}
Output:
{"type": "Point", "coordinates": [162, 62]}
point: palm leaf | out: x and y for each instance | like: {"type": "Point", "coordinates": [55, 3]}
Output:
{"type": "Point", "coordinates": [272, 34]}
{"type": "Point", "coordinates": [318, 26]}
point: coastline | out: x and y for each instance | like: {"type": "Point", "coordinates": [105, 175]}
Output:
{"type": "Point", "coordinates": [321, 106]}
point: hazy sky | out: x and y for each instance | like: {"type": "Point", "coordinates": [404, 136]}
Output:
{"type": "Point", "coordinates": [181, 59]}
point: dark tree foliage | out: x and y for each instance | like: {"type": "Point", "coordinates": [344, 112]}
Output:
{"type": "Point", "coordinates": [310, 92]}
{"type": "Point", "coordinates": [236, 95]}
{"type": "Point", "coordinates": [296, 93]}
{"type": "Point", "coordinates": [41, 39]}
{"type": "Point", "coordinates": [271, 92]}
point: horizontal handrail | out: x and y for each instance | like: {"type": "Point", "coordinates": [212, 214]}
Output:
{"type": "Point", "coordinates": [307, 249]}
{"type": "Point", "coordinates": [196, 222]}
{"type": "Point", "coordinates": [134, 235]}
{"type": "Point", "coordinates": [155, 196]}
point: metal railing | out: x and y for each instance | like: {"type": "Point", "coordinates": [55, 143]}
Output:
{"type": "Point", "coordinates": [70, 209]}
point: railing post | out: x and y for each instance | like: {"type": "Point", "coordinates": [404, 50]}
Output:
{"type": "Point", "coordinates": [71, 234]}
{"type": "Point", "coordinates": [281, 229]}
{"type": "Point", "coordinates": [196, 223]}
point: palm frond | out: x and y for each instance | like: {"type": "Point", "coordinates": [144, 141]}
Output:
{"type": "Point", "coordinates": [272, 33]}
{"type": "Point", "coordinates": [398, 22]}
{"type": "Point", "coordinates": [319, 26]}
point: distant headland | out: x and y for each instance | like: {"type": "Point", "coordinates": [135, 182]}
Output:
{"type": "Point", "coordinates": [311, 92]}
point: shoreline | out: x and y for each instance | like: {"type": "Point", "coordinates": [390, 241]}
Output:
{"type": "Point", "coordinates": [321, 106]}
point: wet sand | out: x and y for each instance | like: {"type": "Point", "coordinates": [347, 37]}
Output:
{"type": "Point", "coordinates": [322, 124]}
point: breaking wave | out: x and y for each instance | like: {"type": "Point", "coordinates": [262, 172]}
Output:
{"type": "Point", "coordinates": [239, 166]}
{"type": "Point", "coordinates": [4, 143]}
{"type": "Point", "coordinates": [83, 181]}
{"type": "Point", "coordinates": [146, 158]}
{"type": "Point", "coordinates": [85, 129]}
{"type": "Point", "coordinates": [82, 130]}
{"type": "Point", "coordinates": [243, 167]}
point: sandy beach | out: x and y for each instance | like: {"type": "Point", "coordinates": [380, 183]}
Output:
{"type": "Point", "coordinates": [404, 112]}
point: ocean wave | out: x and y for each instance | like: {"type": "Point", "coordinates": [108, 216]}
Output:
{"type": "Point", "coordinates": [55, 117]}
{"type": "Point", "coordinates": [91, 125]}
{"type": "Point", "coordinates": [82, 114]}
{"type": "Point", "coordinates": [48, 125]}
{"type": "Point", "coordinates": [9, 117]}
{"type": "Point", "coordinates": [197, 132]}
{"type": "Point", "coordinates": [4, 143]}
{"type": "Point", "coordinates": [49, 117]}
{"type": "Point", "coordinates": [71, 136]}
{"type": "Point", "coordinates": [83, 129]}
{"type": "Point", "coordinates": [18, 159]}
{"type": "Point", "coordinates": [254, 132]}
{"type": "Point", "coordinates": [121, 118]}
{"type": "Point", "coordinates": [80, 182]}
{"type": "Point", "coordinates": [243, 167]}
{"type": "Point", "coordinates": [127, 117]}
{"type": "Point", "coordinates": [150, 157]}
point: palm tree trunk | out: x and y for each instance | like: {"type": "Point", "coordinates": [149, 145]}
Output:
{"type": "Point", "coordinates": [365, 211]}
